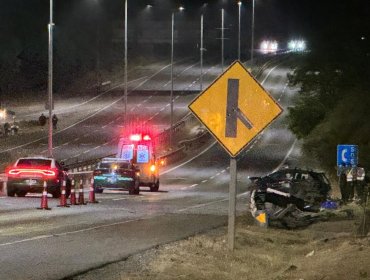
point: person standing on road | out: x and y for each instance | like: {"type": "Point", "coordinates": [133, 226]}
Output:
{"type": "Point", "coordinates": [42, 120]}
{"type": "Point", "coordinates": [55, 121]}
{"type": "Point", "coordinates": [6, 128]}
{"type": "Point", "coordinates": [343, 186]}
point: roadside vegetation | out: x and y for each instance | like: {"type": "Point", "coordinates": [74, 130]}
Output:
{"type": "Point", "coordinates": [332, 106]}
{"type": "Point", "coordinates": [327, 250]}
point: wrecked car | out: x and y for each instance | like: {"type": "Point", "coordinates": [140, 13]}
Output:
{"type": "Point", "coordinates": [285, 195]}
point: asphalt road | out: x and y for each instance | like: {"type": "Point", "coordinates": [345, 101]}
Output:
{"type": "Point", "coordinates": [193, 197]}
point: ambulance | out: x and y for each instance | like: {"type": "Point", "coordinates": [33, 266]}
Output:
{"type": "Point", "coordinates": [138, 148]}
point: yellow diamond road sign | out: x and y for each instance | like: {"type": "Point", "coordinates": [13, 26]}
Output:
{"type": "Point", "coordinates": [235, 108]}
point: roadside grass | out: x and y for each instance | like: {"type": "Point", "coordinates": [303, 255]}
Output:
{"type": "Point", "coordinates": [326, 250]}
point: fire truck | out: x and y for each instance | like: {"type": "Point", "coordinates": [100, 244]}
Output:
{"type": "Point", "coordinates": [138, 148]}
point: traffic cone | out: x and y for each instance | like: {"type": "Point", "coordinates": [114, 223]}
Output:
{"type": "Point", "coordinates": [81, 199]}
{"type": "Point", "coordinates": [44, 198]}
{"type": "Point", "coordinates": [63, 197]}
{"type": "Point", "coordinates": [92, 192]}
{"type": "Point", "coordinates": [73, 194]}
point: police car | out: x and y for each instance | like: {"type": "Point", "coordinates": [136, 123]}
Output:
{"type": "Point", "coordinates": [118, 174]}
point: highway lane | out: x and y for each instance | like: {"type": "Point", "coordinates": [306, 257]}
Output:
{"type": "Point", "coordinates": [193, 198]}
{"type": "Point", "coordinates": [101, 115]}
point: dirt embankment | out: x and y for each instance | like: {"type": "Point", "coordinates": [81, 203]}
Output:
{"type": "Point", "coordinates": [324, 250]}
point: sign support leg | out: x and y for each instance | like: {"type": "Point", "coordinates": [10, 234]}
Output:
{"type": "Point", "coordinates": [232, 204]}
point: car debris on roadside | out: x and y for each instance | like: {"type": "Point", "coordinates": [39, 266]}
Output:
{"type": "Point", "coordinates": [290, 197]}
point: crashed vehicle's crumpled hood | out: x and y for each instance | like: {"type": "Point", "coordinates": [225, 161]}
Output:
{"type": "Point", "coordinates": [285, 199]}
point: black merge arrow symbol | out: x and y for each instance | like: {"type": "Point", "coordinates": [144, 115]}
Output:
{"type": "Point", "coordinates": [233, 113]}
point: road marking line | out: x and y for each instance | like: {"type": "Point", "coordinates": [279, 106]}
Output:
{"type": "Point", "coordinates": [186, 162]}
{"type": "Point", "coordinates": [202, 205]}
{"type": "Point", "coordinates": [67, 233]}
{"type": "Point", "coordinates": [204, 181]}
{"type": "Point", "coordinates": [286, 156]}
{"type": "Point", "coordinates": [268, 74]}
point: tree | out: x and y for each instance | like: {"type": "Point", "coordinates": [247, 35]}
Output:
{"type": "Point", "coordinates": [333, 77]}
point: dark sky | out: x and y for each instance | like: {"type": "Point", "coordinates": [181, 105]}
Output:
{"type": "Point", "coordinates": [272, 17]}
{"type": "Point", "coordinates": [23, 20]}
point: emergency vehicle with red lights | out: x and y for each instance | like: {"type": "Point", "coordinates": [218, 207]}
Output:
{"type": "Point", "coordinates": [139, 149]}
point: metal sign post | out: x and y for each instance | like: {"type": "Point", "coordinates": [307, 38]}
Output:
{"type": "Point", "coordinates": [235, 108]}
{"type": "Point", "coordinates": [232, 204]}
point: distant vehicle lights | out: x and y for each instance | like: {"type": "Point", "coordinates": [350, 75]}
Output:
{"type": "Point", "coordinates": [297, 45]}
{"type": "Point", "coordinates": [269, 46]}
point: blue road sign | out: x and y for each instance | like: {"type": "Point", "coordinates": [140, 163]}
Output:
{"type": "Point", "coordinates": [347, 155]}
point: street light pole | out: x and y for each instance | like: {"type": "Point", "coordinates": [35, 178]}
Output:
{"type": "Point", "coordinates": [252, 42]}
{"type": "Point", "coordinates": [98, 75]}
{"type": "Point", "coordinates": [240, 5]}
{"type": "Point", "coordinates": [222, 39]}
{"type": "Point", "coordinates": [50, 81]}
{"type": "Point", "coordinates": [125, 70]}
{"type": "Point", "coordinates": [181, 8]}
{"type": "Point", "coordinates": [171, 95]}
{"type": "Point", "coordinates": [201, 52]}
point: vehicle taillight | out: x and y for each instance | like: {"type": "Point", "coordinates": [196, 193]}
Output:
{"type": "Point", "coordinates": [43, 172]}
{"type": "Point", "coordinates": [97, 172]}
{"type": "Point", "coordinates": [49, 173]}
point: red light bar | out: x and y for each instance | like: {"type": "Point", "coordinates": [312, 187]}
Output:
{"type": "Point", "coordinates": [147, 138]}
{"type": "Point", "coordinates": [135, 137]}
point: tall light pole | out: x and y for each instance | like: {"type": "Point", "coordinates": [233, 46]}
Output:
{"type": "Point", "coordinates": [97, 66]}
{"type": "Point", "coordinates": [50, 81]}
{"type": "Point", "coordinates": [222, 38]}
{"type": "Point", "coordinates": [172, 47]}
{"type": "Point", "coordinates": [202, 45]}
{"type": "Point", "coordinates": [201, 52]}
{"type": "Point", "coordinates": [171, 95]}
{"type": "Point", "coordinates": [239, 8]}
{"type": "Point", "coordinates": [125, 69]}
{"type": "Point", "coordinates": [252, 41]}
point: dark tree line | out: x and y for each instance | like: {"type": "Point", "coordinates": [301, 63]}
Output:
{"type": "Point", "coordinates": [333, 104]}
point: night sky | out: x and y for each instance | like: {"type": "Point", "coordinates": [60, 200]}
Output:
{"type": "Point", "coordinates": [273, 18]}
{"type": "Point", "coordinates": [83, 25]}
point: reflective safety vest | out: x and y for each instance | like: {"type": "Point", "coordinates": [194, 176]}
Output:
{"type": "Point", "coordinates": [350, 175]}
{"type": "Point", "coordinates": [360, 174]}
